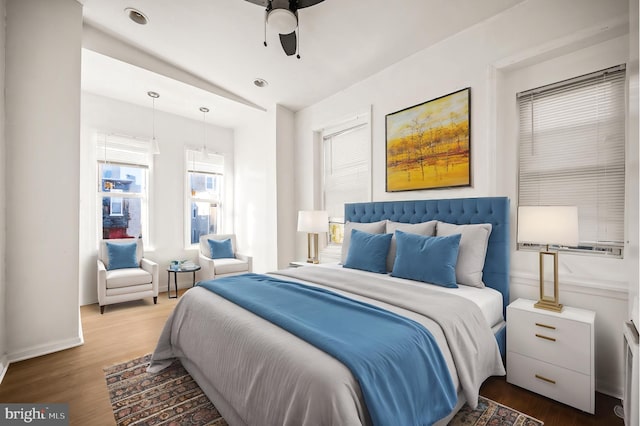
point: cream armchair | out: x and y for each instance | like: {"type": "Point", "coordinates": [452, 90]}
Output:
{"type": "Point", "coordinates": [129, 283]}
{"type": "Point", "coordinates": [215, 268]}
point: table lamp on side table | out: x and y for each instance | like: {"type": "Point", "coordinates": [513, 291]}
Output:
{"type": "Point", "coordinates": [548, 225]}
{"type": "Point", "coordinates": [312, 222]}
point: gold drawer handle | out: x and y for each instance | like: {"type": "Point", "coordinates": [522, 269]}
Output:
{"type": "Point", "coordinates": [545, 326]}
{"type": "Point", "coordinates": [545, 337]}
{"type": "Point", "coordinates": [553, 382]}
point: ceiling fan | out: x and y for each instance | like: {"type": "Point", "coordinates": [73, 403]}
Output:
{"type": "Point", "coordinates": [282, 15]}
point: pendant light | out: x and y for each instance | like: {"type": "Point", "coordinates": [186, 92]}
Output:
{"type": "Point", "coordinates": [155, 148]}
{"type": "Point", "coordinates": [204, 111]}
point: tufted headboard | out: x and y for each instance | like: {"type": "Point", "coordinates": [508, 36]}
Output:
{"type": "Point", "coordinates": [460, 211]}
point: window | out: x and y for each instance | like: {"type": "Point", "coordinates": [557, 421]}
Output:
{"type": "Point", "coordinates": [572, 152]}
{"type": "Point", "coordinates": [347, 172]}
{"type": "Point", "coordinates": [123, 174]}
{"type": "Point", "coordinates": [205, 180]}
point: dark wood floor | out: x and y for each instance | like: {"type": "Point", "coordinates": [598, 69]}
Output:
{"type": "Point", "coordinates": [549, 411]}
{"type": "Point", "coordinates": [131, 329]}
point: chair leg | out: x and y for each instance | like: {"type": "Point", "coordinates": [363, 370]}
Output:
{"type": "Point", "coordinates": [102, 309]}
{"type": "Point", "coordinates": [155, 300]}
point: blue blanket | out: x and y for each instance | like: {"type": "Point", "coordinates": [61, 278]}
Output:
{"type": "Point", "coordinates": [401, 371]}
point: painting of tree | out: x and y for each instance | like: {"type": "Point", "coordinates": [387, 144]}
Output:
{"type": "Point", "coordinates": [428, 145]}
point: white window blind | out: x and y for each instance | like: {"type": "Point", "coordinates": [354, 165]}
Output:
{"type": "Point", "coordinates": [572, 152]}
{"type": "Point", "coordinates": [347, 171]}
{"type": "Point", "coordinates": [199, 161]}
{"type": "Point", "coordinates": [123, 149]}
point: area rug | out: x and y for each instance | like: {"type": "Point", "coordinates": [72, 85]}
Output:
{"type": "Point", "coordinates": [172, 397]}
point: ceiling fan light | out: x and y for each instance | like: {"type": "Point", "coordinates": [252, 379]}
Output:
{"type": "Point", "coordinates": [283, 21]}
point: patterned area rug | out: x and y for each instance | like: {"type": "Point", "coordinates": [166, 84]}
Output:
{"type": "Point", "coordinates": [172, 397]}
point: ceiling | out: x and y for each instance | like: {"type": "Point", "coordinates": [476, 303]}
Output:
{"type": "Point", "coordinates": [341, 42]}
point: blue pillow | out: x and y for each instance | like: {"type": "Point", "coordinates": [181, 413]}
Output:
{"type": "Point", "coordinates": [368, 251]}
{"type": "Point", "coordinates": [427, 259]}
{"type": "Point", "coordinates": [122, 255]}
{"type": "Point", "coordinates": [221, 249]}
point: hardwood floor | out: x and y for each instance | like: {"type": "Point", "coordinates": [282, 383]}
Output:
{"type": "Point", "coordinates": [131, 329]}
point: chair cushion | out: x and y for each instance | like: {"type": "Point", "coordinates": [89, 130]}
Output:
{"type": "Point", "coordinates": [122, 255]}
{"type": "Point", "coordinates": [230, 266]}
{"type": "Point", "coordinates": [127, 277]}
{"type": "Point", "coordinates": [221, 249]}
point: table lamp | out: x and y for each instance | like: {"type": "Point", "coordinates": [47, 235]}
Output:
{"type": "Point", "coordinates": [548, 225]}
{"type": "Point", "coordinates": [312, 222]}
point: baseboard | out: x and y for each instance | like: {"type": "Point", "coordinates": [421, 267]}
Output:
{"type": "Point", "coordinates": [4, 366]}
{"type": "Point", "coordinates": [45, 349]}
{"type": "Point", "coordinates": [608, 388]}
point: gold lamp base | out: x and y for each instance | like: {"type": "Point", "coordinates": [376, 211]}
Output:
{"type": "Point", "coordinates": [550, 303]}
{"type": "Point", "coordinates": [312, 237]}
{"type": "Point", "coordinates": [550, 306]}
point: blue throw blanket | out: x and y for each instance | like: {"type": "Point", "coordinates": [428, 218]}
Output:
{"type": "Point", "coordinates": [401, 371]}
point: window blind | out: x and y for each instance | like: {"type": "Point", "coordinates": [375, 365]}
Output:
{"type": "Point", "coordinates": [203, 162]}
{"type": "Point", "coordinates": [572, 151]}
{"type": "Point", "coordinates": [123, 149]}
{"type": "Point", "coordinates": [347, 171]}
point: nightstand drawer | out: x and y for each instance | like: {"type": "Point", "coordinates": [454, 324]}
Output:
{"type": "Point", "coordinates": [550, 339]}
{"type": "Point", "coordinates": [569, 387]}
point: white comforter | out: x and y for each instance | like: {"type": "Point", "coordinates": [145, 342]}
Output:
{"type": "Point", "coordinates": [258, 374]}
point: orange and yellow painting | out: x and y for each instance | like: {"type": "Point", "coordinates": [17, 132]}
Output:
{"type": "Point", "coordinates": [428, 145]}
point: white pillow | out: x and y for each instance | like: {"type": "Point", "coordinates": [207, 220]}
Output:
{"type": "Point", "coordinates": [372, 228]}
{"type": "Point", "coordinates": [472, 252]}
{"type": "Point", "coordinates": [425, 228]}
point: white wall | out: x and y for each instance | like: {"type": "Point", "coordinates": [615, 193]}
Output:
{"type": "Point", "coordinates": [585, 281]}
{"type": "Point", "coordinates": [167, 181]}
{"type": "Point", "coordinates": [287, 217]}
{"type": "Point", "coordinates": [633, 173]}
{"type": "Point", "coordinates": [3, 196]}
{"type": "Point", "coordinates": [256, 193]}
{"type": "Point", "coordinates": [43, 39]}
{"type": "Point", "coordinates": [475, 58]}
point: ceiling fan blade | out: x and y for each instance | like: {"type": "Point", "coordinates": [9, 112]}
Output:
{"type": "Point", "coordinates": [307, 3]}
{"type": "Point", "coordinates": [262, 3]}
{"type": "Point", "coordinates": [289, 43]}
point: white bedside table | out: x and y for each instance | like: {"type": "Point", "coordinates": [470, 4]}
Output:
{"type": "Point", "coordinates": [552, 353]}
{"type": "Point", "coordinates": [299, 263]}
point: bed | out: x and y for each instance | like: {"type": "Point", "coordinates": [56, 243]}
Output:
{"type": "Point", "coordinates": [256, 373]}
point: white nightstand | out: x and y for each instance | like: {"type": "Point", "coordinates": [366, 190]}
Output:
{"type": "Point", "coordinates": [552, 353]}
{"type": "Point", "coordinates": [299, 263]}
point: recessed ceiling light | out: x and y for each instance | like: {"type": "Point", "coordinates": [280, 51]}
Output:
{"type": "Point", "coordinates": [260, 82]}
{"type": "Point", "coordinates": [136, 16]}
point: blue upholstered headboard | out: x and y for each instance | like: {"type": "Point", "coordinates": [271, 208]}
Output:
{"type": "Point", "coordinates": [493, 210]}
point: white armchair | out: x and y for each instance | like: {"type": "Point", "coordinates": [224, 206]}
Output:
{"type": "Point", "coordinates": [122, 285]}
{"type": "Point", "coordinates": [215, 268]}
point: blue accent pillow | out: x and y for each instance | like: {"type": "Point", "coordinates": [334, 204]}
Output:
{"type": "Point", "coordinates": [368, 252]}
{"type": "Point", "coordinates": [427, 259]}
{"type": "Point", "coordinates": [122, 255]}
{"type": "Point", "coordinates": [221, 249]}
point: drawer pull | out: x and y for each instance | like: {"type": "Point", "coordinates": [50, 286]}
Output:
{"type": "Point", "coordinates": [545, 326]}
{"type": "Point", "coordinates": [545, 337]}
{"type": "Point", "coordinates": [553, 382]}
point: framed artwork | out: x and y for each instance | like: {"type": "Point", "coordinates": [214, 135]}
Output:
{"type": "Point", "coordinates": [429, 144]}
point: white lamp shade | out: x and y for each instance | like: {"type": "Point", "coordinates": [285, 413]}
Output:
{"type": "Point", "coordinates": [548, 225]}
{"type": "Point", "coordinates": [313, 221]}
